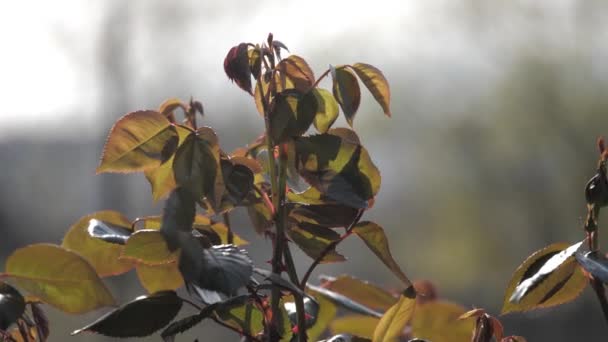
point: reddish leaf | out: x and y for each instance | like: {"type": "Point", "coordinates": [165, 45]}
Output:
{"type": "Point", "coordinates": [236, 66]}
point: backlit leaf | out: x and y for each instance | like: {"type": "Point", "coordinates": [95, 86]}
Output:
{"type": "Point", "coordinates": [50, 272]}
{"type": "Point", "coordinates": [360, 291]}
{"type": "Point", "coordinates": [594, 263]}
{"type": "Point", "coordinates": [141, 317]}
{"type": "Point", "coordinates": [374, 237]}
{"type": "Point", "coordinates": [358, 325]}
{"type": "Point", "coordinates": [296, 68]}
{"type": "Point", "coordinates": [439, 321]}
{"type": "Point", "coordinates": [136, 143]}
{"type": "Point", "coordinates": [159, 277]}
{"type": "Point", "coordinates": [327, 109]}
{"type": "Point", "coordinates": [392, 323]}
{"type": "Point", "coordinates": [169, 106]}
{"type": "Point", "coordinates": [347, 92]}
{"type": "Point", "coordinates": [327, 312]}
{"type": "Point", "coordinates": [103, 256]}
{"type": "Point", "coordinates": [196, 163]}
{"type": "Point", "coordinates": [376, 83]}
{"type": "Point", "coordinates": [148, 247]}
{"type": "Point", "coordinates": [242, 315]}
{"type": "Point", "coordinates": [291, 115]}
{"type": "Point", "coordinates": [313, 239]}
{"type": "Point", "coordinates": [161, 179]}
{"type": "Point", "coordinates": [548, 277]}
{"type": "Point", "coordinates": [236, 66]}
{"type": "Point", "coordinates": [12, 305]}
{"type": "Point", "coordinates": [345, 302]}
{"type": "Point", "coordinates": [339, 168]}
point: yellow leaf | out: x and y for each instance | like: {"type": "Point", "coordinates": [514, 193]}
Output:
{"type": "Point", "coordinates": [148, 247]}
{"type": "Point", "coordinates": [376, 83]}
{"type": "Point", "coordinates": [374, 237]}
{"type": "Point", "coordinates": [296, 68]}
{"type": "Point", "coordinates": [103, 256]}
{"type": "Point", "coordinates": [561, 285]}
{"type": "Point", "coordinates": [161, 179]}
{"type": "Point", "coordinates": [138, 141]}
{"type": "Point", "coordinates": [327, 110]}
{"type": "Point", "coordinates": [159, 277]}
{"type": "Point", "coordinates": [59, 277]}
{"type": "Point", "coordinates": [438, 321]}
{"type": "Point", "coordinates": [392, 323]}
{"type": "Point", "coordinates": [358, 325]}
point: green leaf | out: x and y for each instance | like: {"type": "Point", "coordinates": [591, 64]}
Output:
{"type": "Point", "coordinates": [327, 215]}
{"type": "Point", "coordinates": [439, 321]}
{"type": "Point", "coordinates": [338, 167]}
{"type": "Point", "coordinates": [327, 110]}
{"type": "Point", "coordinates": [360, 291]}
{"type": "Point", "coordinates": [296, 68]}
{"type": "Point", "coordinates": [196, 163]}
{"type": "Point", "coordinates": [548, 277]}
{"type": "Point", "coordinates": [103, 256]}
{"type": "Point", "coordinates": [242, 314]}
{"type": "Point", "coordinates": [148, 247]}
{"type": "Point", "coordinates": [178, 216]}
{"type": "Point", "coordinates": [161, 179]}
{"type": "Point", "coordinates": [376, 83]}
{"type": "Point", "coordinates": [345, 301]}
{"type": "Point", "coordinates": [141, 317]}
{"type": "Point", "coordinates": [347, 92]}
{"type": "Point", "coordinates": [391, 325]}
{"type": "Point", "coordinates": [159, 277]}
{"type": "Point", "coordinates": [313, 239]}
{"type": "Point", "coordinates": [291, 114]}
{"type": "Point", "coordinates": [359, 325]}
{"type": "Point", "coordinates": [138, 142]}
{"type": "Point", "coordinates": [374, 237]}
{"type": "Point", "coordinates": [12, 305]}
{"type": "Point", "coordinates": [49, 272]}
{"type": "Point", "coordinates": [327, 312]}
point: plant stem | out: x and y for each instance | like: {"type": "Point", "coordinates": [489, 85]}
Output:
{"type": "Point", "coordinates": [230, 234]}
{"type": "Point", "coordinates": [591, 227]}
{"type": "Point", "coordinates": [281, 228]}
{"type": "Point", "coordinates": [331, 246]}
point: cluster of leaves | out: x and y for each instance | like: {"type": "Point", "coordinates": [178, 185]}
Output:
{"type": "Point", "coordinates": [558, 273]}
{"type": "Point", "coordinates": [300, 188]}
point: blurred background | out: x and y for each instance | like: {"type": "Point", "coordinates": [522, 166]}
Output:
{"type": "Point", "coordinates": [496, 109]}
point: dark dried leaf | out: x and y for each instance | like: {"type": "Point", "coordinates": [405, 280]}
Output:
{"type": "Point", "coordinates": [291, 115]}
{"type": "Point", "coordinates": [138, 318]}
{"type": "Point", "coordinates": [178, 216]}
